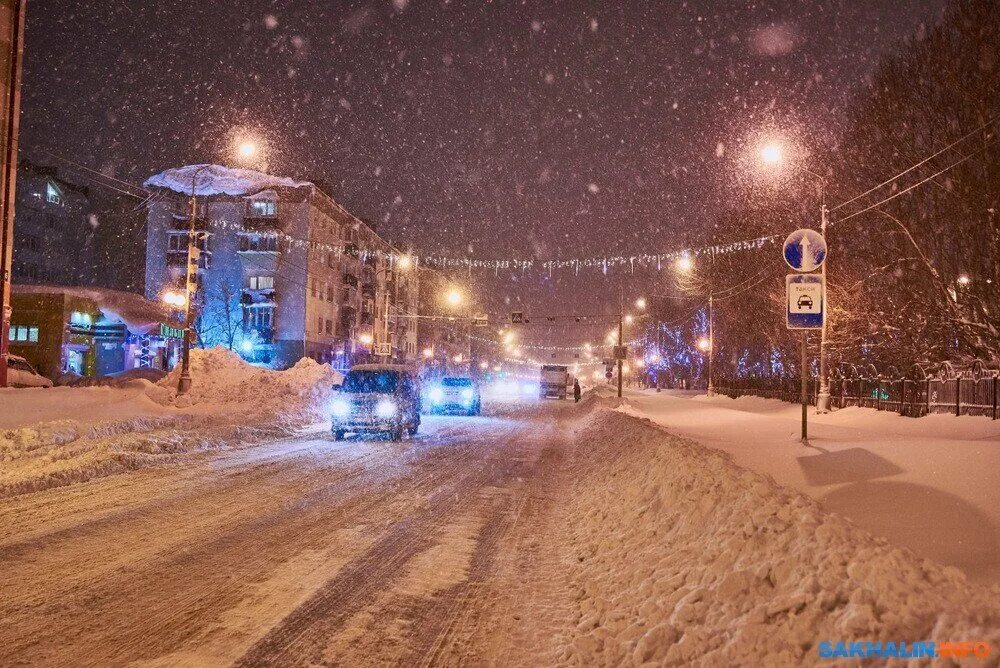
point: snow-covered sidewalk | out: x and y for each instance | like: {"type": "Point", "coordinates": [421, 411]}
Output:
{"type": "Point", "coordinates": [59, 436]}
{"type": "Point", "coordinates": [930, 484]}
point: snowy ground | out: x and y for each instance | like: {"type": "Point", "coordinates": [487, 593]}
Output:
{"type": "Point", "coordinates": [930, 484]}
{"type": "Point", "coordinates": [541, 533]}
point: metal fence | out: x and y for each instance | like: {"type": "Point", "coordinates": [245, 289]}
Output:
{"type": "Point", "coordinates": [970, 390]}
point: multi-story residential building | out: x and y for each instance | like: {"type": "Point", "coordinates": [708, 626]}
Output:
{"type": "Point", "coordinates": [53, 234]}
{"type": "Point", "coordinates": [285, 271]}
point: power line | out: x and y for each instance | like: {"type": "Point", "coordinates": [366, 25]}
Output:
{"type": "Point", "coordinates": [910, 169]}
{"type": "Point", "coordinates": [917, 184]}
{"type": "Point", "coordinates": [102, 175]}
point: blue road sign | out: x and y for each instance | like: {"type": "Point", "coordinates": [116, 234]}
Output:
{"type": "Point", "coordinates": [805, 250]}
{"type": "Point", "coordinates": [806, 301]}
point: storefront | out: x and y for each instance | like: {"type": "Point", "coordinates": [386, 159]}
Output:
{"type": "Point", "coordinates": [91, 332]}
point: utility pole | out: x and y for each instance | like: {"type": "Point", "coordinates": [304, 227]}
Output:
{"type": "Point", "coordinates": [621, 335]}
{"type": "Point", "coordinates": [11, 55]}
{"type": "Point", "coordinates": [823, 396]}
{"type": "Point", "coordinates": [193, 257]}
{"type": "Point", "coordinates": [711, 343]}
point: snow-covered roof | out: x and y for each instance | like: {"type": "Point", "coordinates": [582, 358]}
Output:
{"type": "Point", "coordinates": [138, 314]}
{"type": "Point", "coordinates": [219, 180]}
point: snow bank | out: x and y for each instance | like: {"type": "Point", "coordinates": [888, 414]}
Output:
{"type": "Point", "coordinates": [680, 556]}
{"type": "Point", "coordinates": [231, 403]}
{"type": "Point", "coordinates": [219, 180]}
{"type": "Point", "coordinates": [222, 381]}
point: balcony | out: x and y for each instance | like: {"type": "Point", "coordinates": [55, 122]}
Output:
{"type": "Point", "coordinates": [252, 243]}
{"type": "Point", "coordinates": [182, 222]}
{"type": "Point", "coordinates": [248, 297]}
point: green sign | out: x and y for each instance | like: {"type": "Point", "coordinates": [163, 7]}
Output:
{"type": "Point", "coordinates": [168, 332]}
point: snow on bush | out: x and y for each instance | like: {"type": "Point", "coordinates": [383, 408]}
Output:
{"type": "Point", "coordinates": [680, 556]}
{"type": "Point", "coordinates": [231, 403]}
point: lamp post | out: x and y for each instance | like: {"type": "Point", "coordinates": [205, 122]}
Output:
{"type": "Point", "coordinates": [772, 154]}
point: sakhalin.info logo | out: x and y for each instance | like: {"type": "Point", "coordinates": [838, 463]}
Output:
{"type": "Point", "coordinates": [927, 649]}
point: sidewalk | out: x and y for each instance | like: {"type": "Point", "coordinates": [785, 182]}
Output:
{"type": "Point", "coordinates": [930, 484]}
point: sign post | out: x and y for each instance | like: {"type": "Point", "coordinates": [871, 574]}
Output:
{"type": "Point", "coordinates": [805, 300]}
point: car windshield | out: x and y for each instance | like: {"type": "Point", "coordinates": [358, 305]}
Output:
{"type": "Point", "coordinates": [457, 382]}
{"type": "Point", "coordinates": [382, 382]}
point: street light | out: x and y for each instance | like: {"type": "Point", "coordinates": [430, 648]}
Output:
{"type": "Point", "coordinates": [174, 299]}
{"type": "Point", "coordinates": [640, 303]}
{"type": "Point", "coordinates": [428, 353]}
{"type": "Point", "coordinates": [773, 155]}
{"type": "Point", "coordinates": [704, 344]}
{"type": "Point", "coordinates": [247, 150]}
{"type": "Point", "coordinates": [964, 279]}
{"type": "Point", "coordinates": [366, 339]}
{"type": "Point", "coordinates": [454, 297]}
{"type": "Point", "coordinates": [684, 264]}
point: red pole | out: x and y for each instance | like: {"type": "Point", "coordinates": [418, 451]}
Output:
{"type": "Point", "coordinates": [11, 55]}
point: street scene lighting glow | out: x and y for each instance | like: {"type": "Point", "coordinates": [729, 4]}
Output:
{"type": "Point", "coordinates": [428, 353]}
{"type": "Point", "coordinates": [685, 263]}
{"type": "Point", "coordinates": [771, 154]}
{"type": "Point", "coordinates": [404, 262]}
{"type": "Point", "coordinates": [248, 149]}
{"type": "Point", "coordinates": [704, 344]}
{"type": "Point", "coordinates": [640, 303]}
{"type": "Point", "coordinates": [175, 299]}
{"type": "Point", "coordinates": [366, 339]}
{"type": "Point", "coordinates": [964, 279]}
{"type": "Point", "coordinates": [453, 297]}
{"type": "Point", "coordinates": [629, 319]}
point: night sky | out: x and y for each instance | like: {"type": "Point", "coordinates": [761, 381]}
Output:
{"type": "Point", "coordinates": [496, 129]}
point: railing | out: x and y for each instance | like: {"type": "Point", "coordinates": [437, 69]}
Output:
{"type": "Point", "coordinates": [972, 390]}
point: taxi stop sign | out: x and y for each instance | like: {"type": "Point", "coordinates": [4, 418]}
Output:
{"type": "Point", "coordinates": [805, 301]}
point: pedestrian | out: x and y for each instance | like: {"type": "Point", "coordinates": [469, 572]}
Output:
{"type": "Point", "coordinates": [576, 390]}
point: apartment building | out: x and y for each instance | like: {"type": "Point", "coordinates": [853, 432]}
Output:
{"type": "Point", "coordinates": [53, 234]}
{"type": "Point", "coordinates": [285, 271]}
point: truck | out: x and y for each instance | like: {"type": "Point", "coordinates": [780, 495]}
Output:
{"type": "Point", "coordinates": [553, 381]}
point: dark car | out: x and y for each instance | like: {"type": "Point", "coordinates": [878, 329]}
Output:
{"type": "Point", "coordinates": [377, 399]}
{"type": "Point", "coordinates": [805, 301]}
{"type": "Point", "coordinates": [455, 393]}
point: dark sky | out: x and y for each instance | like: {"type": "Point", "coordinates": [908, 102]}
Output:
{"type": "Point", "coordinates": [530, 129]}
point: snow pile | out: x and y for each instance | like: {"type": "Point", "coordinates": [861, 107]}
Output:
{"type": "Point", "coordinates": [138, 314]}
{"type": "Point", "coordinates": [679, 556]}
{"type": "Point", "coordinates": [108, 430]}
{"type": "Point", "coordinates": [219, 180]}
{"type": "Point", "coordinates": [222, 382]}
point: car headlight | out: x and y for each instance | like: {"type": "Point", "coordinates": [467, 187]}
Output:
{"type": "Point", "coordinates": [340, 408]}
{"type": "Point", "coordinates": [436, 394]}
{"type": "Point", "coordinates": [467, 394]}
{"type": "Point", "coordinates": [385, 408]}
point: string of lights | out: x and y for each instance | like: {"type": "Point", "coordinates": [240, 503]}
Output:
{"type": "Point", "coordinates": [603, 263]}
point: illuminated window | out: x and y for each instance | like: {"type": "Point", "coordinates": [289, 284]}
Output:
{"type": "Point", "coordinates": [265, 207]}
{"type": "Point", "coordinates": [23, 334]}
{"type": "Point", "coordinates": [80, 319]}
{"type": "Point", "coordinates": [261, 282]}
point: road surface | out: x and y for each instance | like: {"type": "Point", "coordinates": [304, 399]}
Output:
{"type": "Point", "coordinates": [300, 552]}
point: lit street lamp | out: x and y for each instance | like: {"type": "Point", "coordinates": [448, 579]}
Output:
{"type": "Point", "coordinates": [773, 155]}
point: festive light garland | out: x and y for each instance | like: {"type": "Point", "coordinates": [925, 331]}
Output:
{"type": "Point", "coordinates": [604, 264]}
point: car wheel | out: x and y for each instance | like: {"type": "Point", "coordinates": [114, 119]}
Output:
{"type": "Point", "coordinates": [412, 431]}
{"type": "Point", "coordinates": [338, 434]}
{"type": "Point", "coordinates": [396, 434]}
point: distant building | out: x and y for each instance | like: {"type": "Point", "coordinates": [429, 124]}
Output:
{"type": "Point", "coordinates": [53, 235]}
{"type": "Point", "coordinates": [90, 331]}
{"type": "Point", "coordinates": [286, 272]}
{"type": "Point", "coordinates": [443, 338]}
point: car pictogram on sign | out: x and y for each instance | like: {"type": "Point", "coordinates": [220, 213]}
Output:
{"type": "Point", "coordinates": [804, 301]}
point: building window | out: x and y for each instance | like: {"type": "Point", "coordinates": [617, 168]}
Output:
{"type": "Point", "coordinates": [81, 319]}
{"type": "Point", "coordinates": [319, 325]}
{"type": "Point", "coordinates": [260, 318]}
{"type": "Point", "coordinates": [329, 326]}
{"type": "Point", "coordinates": [52, 193]}
{"type": "Point", "coordinates": [258, 243]}
{"type": "Point", "coordinates": [262, 282]}
{"type": "Point", "coordinates": [264, 207]}
{"type": "Point", "coordinates": [23, 334]}
{"type": "Point", "coordinates": [178, 241]}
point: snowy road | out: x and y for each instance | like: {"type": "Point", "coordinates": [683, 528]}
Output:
{"type": "Point", "coordinates": [300, 552]}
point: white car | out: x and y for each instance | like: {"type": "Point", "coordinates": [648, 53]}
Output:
{"type": "Point", "coordinates": [21, 374]}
